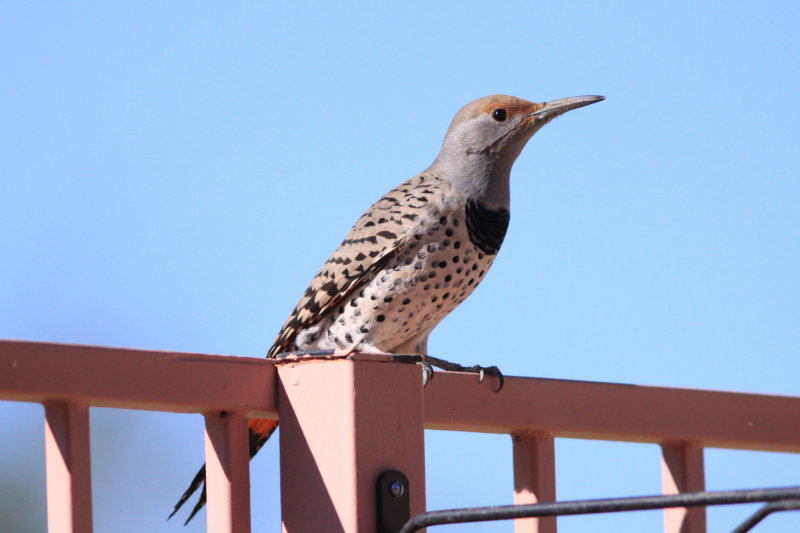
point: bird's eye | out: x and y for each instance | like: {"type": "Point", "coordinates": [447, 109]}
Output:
{"type": "Point", "coordinates": [499, 115]}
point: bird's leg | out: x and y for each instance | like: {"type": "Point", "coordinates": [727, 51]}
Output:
{"type": "Point", "coordinates": [482, 371]}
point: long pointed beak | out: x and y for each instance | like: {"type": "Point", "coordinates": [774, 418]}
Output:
{"type": "Point", "coordinates": [562, 105]}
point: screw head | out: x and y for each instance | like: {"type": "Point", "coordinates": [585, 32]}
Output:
{"type": "Point", "coordinates": [397, 489]}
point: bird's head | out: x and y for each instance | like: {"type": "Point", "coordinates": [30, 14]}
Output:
{"type": "Point", "coordinates": [486, 135]}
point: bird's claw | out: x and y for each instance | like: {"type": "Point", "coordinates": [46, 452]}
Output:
{"type": "Point", "coordinates": [483, 371]}
{"type": "Point", "coordinates": [427, 373]}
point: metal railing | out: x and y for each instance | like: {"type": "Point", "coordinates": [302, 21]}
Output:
{"type": "Point", "coordinates": [334, 443]}
{"type": "Point", "coordinates": [776, 499]}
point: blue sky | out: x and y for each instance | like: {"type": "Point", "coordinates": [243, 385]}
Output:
{"type": "Point", "coordinates": [174, 173]}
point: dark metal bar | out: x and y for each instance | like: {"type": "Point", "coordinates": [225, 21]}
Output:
{"type": "Point", "coordinates": [765, 511]}
{"type": "Point", "coordinates": [606, 505]}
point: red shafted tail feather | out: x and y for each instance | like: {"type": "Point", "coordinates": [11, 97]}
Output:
{"type": "Point", "coordinates": [259, 430]}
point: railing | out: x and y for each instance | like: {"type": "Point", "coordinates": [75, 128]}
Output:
{"type": "Point", "coordinates": [344, 420]}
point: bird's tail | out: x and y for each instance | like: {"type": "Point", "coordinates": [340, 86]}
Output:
{"type": "Point", "coordinates": [259, 430]}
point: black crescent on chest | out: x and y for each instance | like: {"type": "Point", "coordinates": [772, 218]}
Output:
{"type": "Point", "coordinates": [486, 227]}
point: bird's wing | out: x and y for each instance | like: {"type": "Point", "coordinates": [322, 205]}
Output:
{"type": "Point", "coordinates": [379, 235]}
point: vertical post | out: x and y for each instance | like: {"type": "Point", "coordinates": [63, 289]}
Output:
{"type": "Point", "coordinates": [68, 463]}
{"type": "Point", "coordinates": [343, 422]}
{"type": "Point", "coordinates": [534, 477]}
{"type": "Point", "coordinates": [682, 470]}
{"type": "Point", "coordinates": [228, 473]}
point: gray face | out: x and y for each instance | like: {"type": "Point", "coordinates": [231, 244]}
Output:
{"type": "Point", "coordinates": [486, 137]}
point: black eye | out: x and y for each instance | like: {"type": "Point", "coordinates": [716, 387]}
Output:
{"type": "Point", "coordinates": [499, 115]}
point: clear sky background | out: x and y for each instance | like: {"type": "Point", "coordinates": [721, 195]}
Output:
{"type": "Point", "coordinates": [174, 173]}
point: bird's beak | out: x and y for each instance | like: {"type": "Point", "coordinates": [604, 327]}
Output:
{"type": "Point", "coordinates": [557, 107]}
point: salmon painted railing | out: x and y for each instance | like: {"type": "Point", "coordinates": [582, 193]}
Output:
{"type": "Point", "coordinates": [344, 420]}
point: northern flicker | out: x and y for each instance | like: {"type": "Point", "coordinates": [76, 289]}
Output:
{"type": "Point", "coordinates": [419, 251]}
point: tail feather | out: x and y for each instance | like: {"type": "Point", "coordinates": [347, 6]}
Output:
{"type": "Point", "coordinates": [199, 505]}
{"type": "Point", "coordinates": [259, 430]}
{"type": "Point", "coordinates": [197, 482]}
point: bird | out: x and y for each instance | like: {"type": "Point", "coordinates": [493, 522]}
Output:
{"type": "Point", "coordinates": [417, 252]}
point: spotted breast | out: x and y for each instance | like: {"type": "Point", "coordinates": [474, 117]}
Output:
{"type": "Point", "coordinates": [415, 255]}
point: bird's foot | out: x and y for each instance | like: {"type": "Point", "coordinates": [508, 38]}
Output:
{"type": "Point", "coordinates": [482, 371]}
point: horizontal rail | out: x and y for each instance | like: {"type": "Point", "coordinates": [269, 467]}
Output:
{"type": "Point", "coordinates": [607, 411]}
{"type": "Point", "coordinates": [605, 505]}
{"type": "Point", "coordinates": [183, 382]}
{"type": "Point", "coordinates": [137, 379]}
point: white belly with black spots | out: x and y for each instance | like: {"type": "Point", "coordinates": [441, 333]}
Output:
{"type": "Point", "coordinates": [437, 270]}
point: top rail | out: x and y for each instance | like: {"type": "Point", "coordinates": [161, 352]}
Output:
{"type": "Point", "coordinates": [184, 382]}
{"type": "Point", "coordinates": [619, 412]}
{"type": "Point", "coordinates": [137, 379]}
